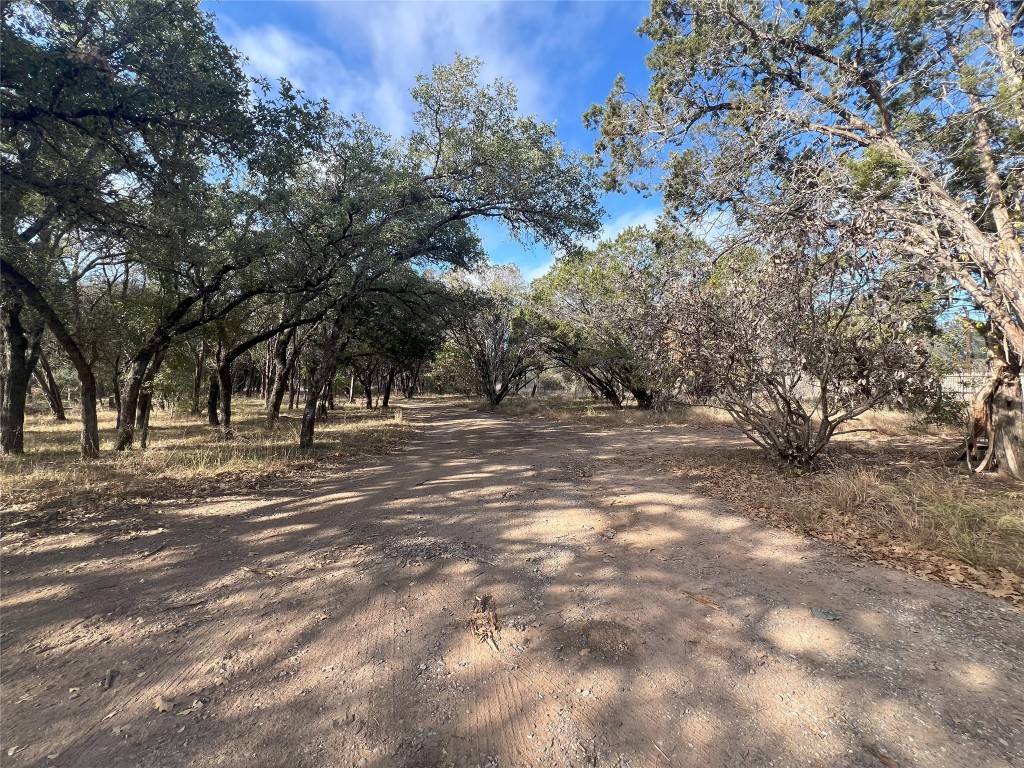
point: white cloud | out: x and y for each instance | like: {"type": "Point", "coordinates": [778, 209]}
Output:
{"type": "Point", "coordinates": [275, 52]}
{"type": "Point", "coordinates": [403, 40]}
{"type": "Point", "coordinates": [642, 217]}
{"type": "Point", "coordinates": [364, 57]}
{"type": "Point", "coordinates": [538, 271]}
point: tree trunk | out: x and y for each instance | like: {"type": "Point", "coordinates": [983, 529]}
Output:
{"type": "Point", "coordinates": [212, 401]}
{"type": "Point", "coordinates": [351, 387]}
{"type": "Point", "coordinates": [293, 387]}
{"type": "Point", "coordinates": [64, 337]}
{"type": "Point", "coordinates": [130, 398]}
{"type": "Point", "coordinates": [387, 387]}
{"type": "Point", "coordinates": [1007, 413]}
{"type": "Point", "coordinates": [146, 398]}
{"type": "Point", "coordinates": [225, 385]}
{"type": "Point", "coordinates": [284, 367]}
{"type": "Point", "coordinates": [277, 395]}
{"type": "Point", "coordinates": [321, 379]}
{"type": "Point", "coordinates": [996, 437]}
{"type": "Point", "coordinates": [322, 404]}
{"type": "Point", "coordinates": [44, 375]}
{"type": "Point", "coordinates": [90, 422]}
{"type": "Point", "coordinates": [197, 379]}
{"type": "Point", "coordinates": [116, 368]}
{"type": "Point", "coordinates": [22, 351]}
{"type": "Point", "coordinates": [644, 398]}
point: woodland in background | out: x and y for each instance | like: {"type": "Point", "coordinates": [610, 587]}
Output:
{"type": "Point", "coordinates": [842, 181]}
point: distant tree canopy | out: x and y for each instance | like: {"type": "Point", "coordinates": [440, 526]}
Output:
{"type": "Point", "coordinates": [918, 104]}
{"type": "Point", "coordinates": [491, 332]}
{"type": "Point", "coordinates": [161, 208]}
{"type": "Point", "coordinates": [602, 313]}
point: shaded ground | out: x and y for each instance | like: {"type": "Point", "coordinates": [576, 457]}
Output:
{"type": "Point", "coordinates": [332, 624]}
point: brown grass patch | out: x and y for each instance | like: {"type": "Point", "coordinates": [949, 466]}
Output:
{"type": "Point", "coordinates": [186, 458]}
{"type": "Point", "coordinates": [890, 502]}
{"type": "Point", "coordinates": [566, 408]}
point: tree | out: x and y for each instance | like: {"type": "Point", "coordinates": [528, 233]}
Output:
{"type": "Point", "coordinates": [21, 348]}
{"type": "Point", "coordinates": [469, 157]}
{"type": "Point", "coordinates": [600, 313]}
{"type": "Point", "coordinates": [491, 329]}
{"type": "Point", "coordinates": [922, 100]}
{"type": "Point", "coordinates": [803, 325]}
{"type": "Point", "coordinates": [105, 102]}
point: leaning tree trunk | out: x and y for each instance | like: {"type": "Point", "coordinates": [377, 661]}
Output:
{"type": "Point", "coordinates": [146, 399]}
{"type": "Point", "coordinates": [132, 392]}
{"type": "Point", "coordinates": [64, 337]}
{"type": "Point", "coordinates": [321, 379]}
{"type": "Point", "coordinates": [22, 351]}
{"type": "Point", "coordinates": [44, 375]}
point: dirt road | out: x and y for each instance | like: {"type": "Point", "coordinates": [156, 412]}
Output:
{"type": "Point", "coordinates": [333, 624]}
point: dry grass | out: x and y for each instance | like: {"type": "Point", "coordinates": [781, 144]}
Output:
{"type": "Point", "coordinates": [888, 423]}
{"type": "Point", "coordinates": [567, 408]}
{"type": "Point", "coordinates": [185, 457]}
{"type": "Point", "coordinates": [890, 502]}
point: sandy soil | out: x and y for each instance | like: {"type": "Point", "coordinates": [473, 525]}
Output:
{"type": "Point", "coordinates": [332, 624]}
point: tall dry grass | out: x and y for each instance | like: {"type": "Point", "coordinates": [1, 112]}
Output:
{"type": "Point", "coordinates": [568, 408]}
{"type": "Point", "coordinates": [879, 499]}
{"type": "Point", "coordinates": [185, 457]}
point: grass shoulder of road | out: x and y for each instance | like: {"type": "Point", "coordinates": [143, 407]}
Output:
{"type": "Point", "coordinates": [566, 408]}
{"type": "Point", "coordinates": [185, 459]}
{"type": "Point", "coordinates": [885, 493]}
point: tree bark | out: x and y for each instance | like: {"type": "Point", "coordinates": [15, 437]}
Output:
{"type": "Point", "coordinates": [1009, 56]}
{"type": "Point", "coordinates": [130, 397]}
{"type": "Point", "coordinates": [22, 351]}
{"type": "Point", "coordinates": [225, 385]}
{"type": "Point", "coordinates": [197, 379]}
{"type": "Point", "coordinates": [388, 384]}
{"type": "Point", "coordinates": [284, 364]}
{"type": "Point", "coordinates": [644, 398]}
{"type": "Point", "coordinates": [293, 389]}
{"type": "Point", "coordinates": [213, 400]}
{"type": "Point", "coordinates": [1007, 413]}
{"type": "Point", "coordinates": [44, 375]}
{"type": "Point", "coordinates": [321, 378]}
{"type": "Point", "coordinates": [996, 438]}
{"type": "Point", "coordinates": [116, 396]}
{"type": "Point", "coordinates": [146, 398]}
{"type": "Point", "coordinates": [90, 424]}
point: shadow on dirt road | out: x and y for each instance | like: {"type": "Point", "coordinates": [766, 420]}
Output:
{"type": "Point", "coordinates": [332, 624]}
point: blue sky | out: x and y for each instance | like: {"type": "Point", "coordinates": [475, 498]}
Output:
{"type": "Point", "coordinates": [364, 56]}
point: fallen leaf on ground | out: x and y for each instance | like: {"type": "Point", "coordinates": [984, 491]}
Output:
{"type": "Point", "coordinates": [160, 704]}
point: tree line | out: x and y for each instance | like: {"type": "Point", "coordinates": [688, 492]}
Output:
{"type": "Point", "coordinates": [158, 203]}
{"type": "Point", "coordinates": [840, 178]}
